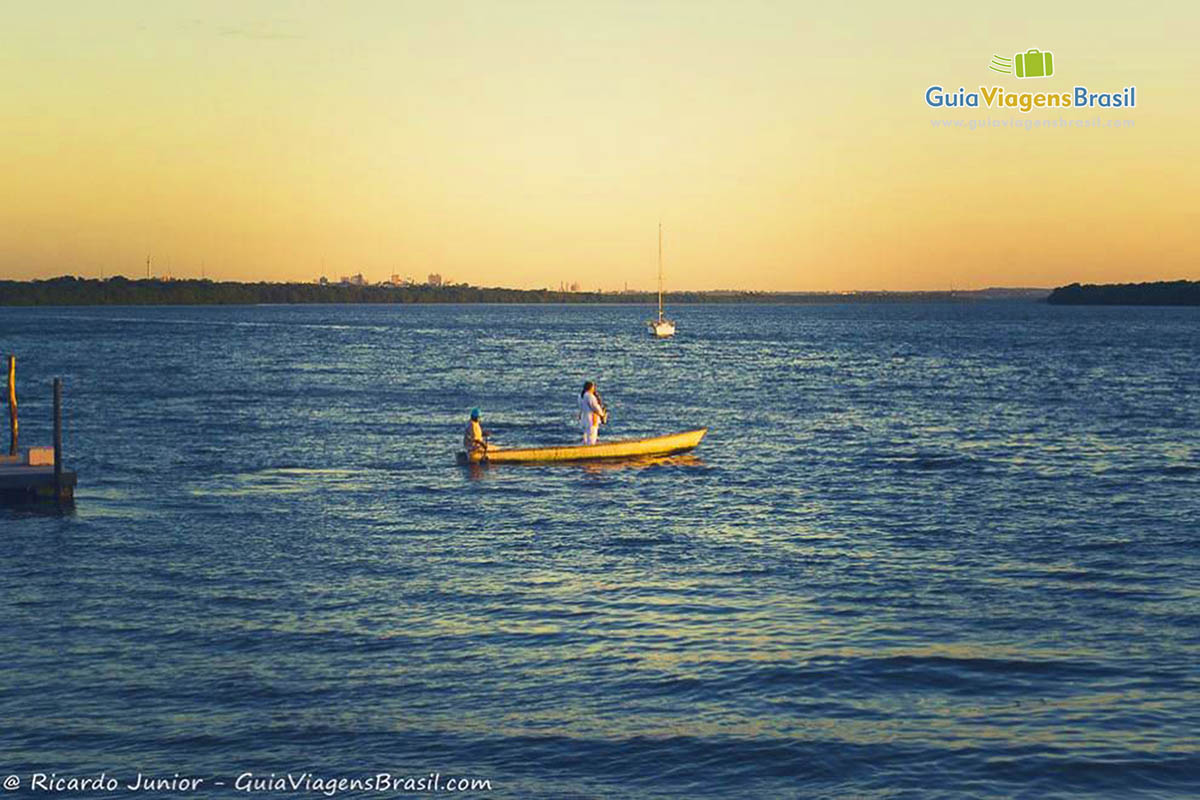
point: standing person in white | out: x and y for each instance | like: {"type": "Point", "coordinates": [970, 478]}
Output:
{"type": "Point", "coordinates": [591, 413]}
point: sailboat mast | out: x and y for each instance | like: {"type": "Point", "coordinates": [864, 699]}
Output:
{"type": "Point", "coordinates": [660, 272]}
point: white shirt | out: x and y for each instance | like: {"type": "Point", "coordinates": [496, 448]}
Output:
{"type": "Point", "coordinates": [590, 412]}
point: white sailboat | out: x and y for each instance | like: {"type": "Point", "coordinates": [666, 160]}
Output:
{"type": "Point", "coordinates": [661, 327]}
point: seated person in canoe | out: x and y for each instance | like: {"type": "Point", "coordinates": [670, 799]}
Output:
{"type": "Point", "coordinates": [475, 437]}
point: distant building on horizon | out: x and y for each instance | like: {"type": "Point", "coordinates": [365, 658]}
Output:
{"type": "Point", "coordinates": [435, 279]}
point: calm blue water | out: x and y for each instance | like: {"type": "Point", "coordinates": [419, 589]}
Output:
{"type": "Point", "coordinates": [926, 551]}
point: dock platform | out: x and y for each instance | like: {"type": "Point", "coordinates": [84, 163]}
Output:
{"type": "Point", "coordinates": [22, 483]}
{"type": "Point", "coordinates": [37, 474]}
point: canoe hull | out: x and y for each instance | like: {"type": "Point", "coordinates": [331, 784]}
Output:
{"type": "Point", "coordinates": [627, 448]}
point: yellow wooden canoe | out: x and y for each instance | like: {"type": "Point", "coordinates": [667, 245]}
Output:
{"type": "Point", "coordinates": [624, 448]}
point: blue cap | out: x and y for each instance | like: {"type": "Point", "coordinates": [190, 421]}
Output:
{"type": "Point", "coordinates": [474, 413]}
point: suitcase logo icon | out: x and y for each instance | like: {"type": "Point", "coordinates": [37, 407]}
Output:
{"type": "Point", "coordinates": [1032, 64]}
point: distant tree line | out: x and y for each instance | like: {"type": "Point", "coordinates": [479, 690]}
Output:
{"type": "Point", "coordinates": [1162, 293]}
{"type": "Point", "coordinates": [120, 291]}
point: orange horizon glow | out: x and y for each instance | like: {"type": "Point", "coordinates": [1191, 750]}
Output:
{"type": "Point", "coordinates": [531, 143]}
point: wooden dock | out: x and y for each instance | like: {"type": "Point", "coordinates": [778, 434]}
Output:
{"type": "Point", "coordinates": [21, 483]}
{"type": "Point", "coordinates": [36, 475]}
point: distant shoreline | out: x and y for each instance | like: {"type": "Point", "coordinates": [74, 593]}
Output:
{"type": "Point", "coordinates": [119, 291]}
{"type": "Point", "coordinates": [1161, 293]}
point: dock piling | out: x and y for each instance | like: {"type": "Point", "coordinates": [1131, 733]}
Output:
{"type": "Point", "coordinates": [58, 438]}
{"type": "Point", "coordinates": [12, 405]}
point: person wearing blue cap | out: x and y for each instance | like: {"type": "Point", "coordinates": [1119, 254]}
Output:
{"type": "Point", "coordinates": [476, 437]}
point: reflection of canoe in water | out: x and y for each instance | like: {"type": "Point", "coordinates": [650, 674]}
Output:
{"type": "Point", "coordinates": [626, 448]}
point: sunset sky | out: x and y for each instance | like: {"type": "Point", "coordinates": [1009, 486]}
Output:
{"type": "Point", "coordinates": [783, 146]}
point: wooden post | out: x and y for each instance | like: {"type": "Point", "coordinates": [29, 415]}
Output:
{"type": "Point", "coordinates": [58, 438]}
{"type": "Point", "coordinates": [12, 404]}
